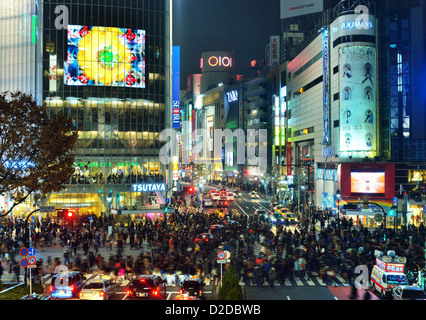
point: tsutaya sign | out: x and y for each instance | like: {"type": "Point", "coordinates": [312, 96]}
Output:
{"type": "Point", "coordinates": [149, 187]}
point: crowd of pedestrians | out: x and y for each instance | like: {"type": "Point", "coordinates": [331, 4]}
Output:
{"type": "Point", "coordinates": [172, 247]}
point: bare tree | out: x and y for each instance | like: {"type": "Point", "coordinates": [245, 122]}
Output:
{"type": "Point", "coordinates": [36, 152]}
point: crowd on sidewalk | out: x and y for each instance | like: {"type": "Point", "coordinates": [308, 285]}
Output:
{"type": "Point", "coordinates": [173, 248]}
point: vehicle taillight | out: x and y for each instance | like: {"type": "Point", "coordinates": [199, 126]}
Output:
{"type": "Point", "coordinates": [155, 292]}
{"type": "Point", "coordinates": [201, 292]}
{"type": "Point", "coordinates": [181, 291]}
{"type": "Point", "coordinates": [72, 287]}
{"type": "Point", "coordinates": [51, 288]}
{"type": "Point", "coordinates": [81, 294]}
{"type": "Point", "coordinates": [102, 294]}
{"type": "Point", "coordinates": [129, 292]}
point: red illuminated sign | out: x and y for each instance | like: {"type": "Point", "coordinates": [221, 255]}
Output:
{"type": "Point", "coordinates": [390, 267]}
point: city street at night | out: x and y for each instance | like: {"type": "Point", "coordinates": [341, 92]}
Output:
{"type": "Point", "coordinates": [253, 157]}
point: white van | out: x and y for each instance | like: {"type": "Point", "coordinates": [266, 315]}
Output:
{"type": "Point", "coordinates": [230, 196]}
{"type": "Point", "coordinates": [388, 274]}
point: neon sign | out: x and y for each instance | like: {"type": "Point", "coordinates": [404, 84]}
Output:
{"type": "Point", "coordinates": [220, 61]}
{"type": "Point", "coordinates": [149, 187]}
{"type": "Point", "coordinates": [232, 96]}
{"type": "Point", "coordinates": [349, 25]}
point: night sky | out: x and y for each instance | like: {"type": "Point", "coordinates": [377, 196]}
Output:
{"type": "Point", "coordinates": [224, 25]}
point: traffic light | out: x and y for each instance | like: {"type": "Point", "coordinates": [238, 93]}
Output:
{"type": "Point", "coordinates": [69, 214]}
{"type": "Point", "coordinates": [166, 209]}
{"type": "Point", "coordinates": [392, 211]}
{"type": "Point", "coordinates": [191, 189]}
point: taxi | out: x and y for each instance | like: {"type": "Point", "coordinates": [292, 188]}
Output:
{"type": "Point", "coordinates": [98, 289]}
{"type": "Point", "coordinates": [280, 208]}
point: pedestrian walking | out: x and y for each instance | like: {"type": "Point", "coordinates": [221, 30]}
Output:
{"type": "Point", "coordinates": [272, 276]}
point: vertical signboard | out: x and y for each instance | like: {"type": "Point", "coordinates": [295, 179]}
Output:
{"type": "Point", "coordinates": [326, 100]}
{"type": "Point", "coordinates": [176, 88]}
{"type": "Point", "coordinates": [357, 101]}
{"type": "Point", "coordinates": [52, 73]}
{"type": "Point", "coordinates": [289, 159]}
{"type": "Point", "coordinates": [274, 51]}
{"type": "Point", "coordinates": [175, 168]}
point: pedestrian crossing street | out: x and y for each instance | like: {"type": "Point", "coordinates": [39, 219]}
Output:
{"type": "Point", "coordinates": [311, 279]}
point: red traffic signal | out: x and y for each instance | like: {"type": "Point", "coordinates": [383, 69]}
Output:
{"type": "Point", "coordinates": [69, 214]}
{"type": "Point", "coordinates": [190, 189]}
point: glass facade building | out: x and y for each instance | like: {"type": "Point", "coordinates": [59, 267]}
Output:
{"type": "Point", "coordinates": [107, 65]}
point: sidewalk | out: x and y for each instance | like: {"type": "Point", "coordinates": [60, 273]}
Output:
{"type": "Point", "coordinates": [57, 251]}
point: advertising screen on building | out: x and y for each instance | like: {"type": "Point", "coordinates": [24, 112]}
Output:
{"type": "Point", "coordinates": [294, 8]}
{"type": "Point", "coordinates": [105, 56]}
{"type": "Point", "coordinates": [368, 182]}
{"type": "Point", "coordinates": [357, 102]}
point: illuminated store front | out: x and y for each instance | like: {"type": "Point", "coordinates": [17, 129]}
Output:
{"type": "Point", "coordinates": [107, 70]}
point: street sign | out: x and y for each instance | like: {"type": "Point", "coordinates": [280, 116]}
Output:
{"type": "Point", "coordinates": [47, 208]}
{"type": "Point", "coordinates": [221, 261]}
{"type": "Point", "coordinates": [23, 263]}
{"type": "Point", "coordinates": [32, 261]}
{"type": "Point", "coordinates": [167, 200]}
{"type": "Point", "coordinates": [23, 251]}
{"type": "Point", "coordinates": [31, 251]}
{"type": "Point", "coordinates": [221, 255]}
{"type": "Point", "coordinates": [227, 254]}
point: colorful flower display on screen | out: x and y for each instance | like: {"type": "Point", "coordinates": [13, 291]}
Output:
{"type": "Point", "coordinates": [105, 56]}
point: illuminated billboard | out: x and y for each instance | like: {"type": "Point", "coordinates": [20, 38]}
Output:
{"type": "Point", "coordinates": [377, 180]}
{"type": "Point", "coordinates": [367, 182]}
{"type": "Point", "coordinates": [105, 56]}
{"type": "Point", "coordinates": [357, 102]}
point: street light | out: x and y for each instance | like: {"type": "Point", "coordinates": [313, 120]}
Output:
{"type": "Point", "coordinates": [339, 197]}
{"type": "Point", "coordinates": [109, 199]}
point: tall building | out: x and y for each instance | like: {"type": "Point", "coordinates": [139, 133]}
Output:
{"type": "Point", "coordinates": [402, 100]}
{"type": "Point", "coordinates": [107, 65]}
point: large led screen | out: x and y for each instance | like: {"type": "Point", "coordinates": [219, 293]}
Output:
{"type": "Point", "coordinates": [105, 56]}
{"type": "Point", "coordinates": [368, 182]}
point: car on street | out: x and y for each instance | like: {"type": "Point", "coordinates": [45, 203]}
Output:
{"type": "Point", "coordinates": [222, 203]}
{"type": "Point", "coordinates": [215, 228]}
{"type": "Point", "coordinates": [192, 287]}
{"type": "Point", "coordinates": [203, 237]}
{"type": "Point", "coordinates": [98, 289]}
{"type": "Point", "coordinates": [66, 286]}
{"type": "Point", "coordinates": [290, 217]}
{"type": "Point", "coordinates": [230, 196]}
{"type": "Point", "coordinates": [253, 195]}
{"type": "Point", "coordinates": [215, 196]}
{"type": "Point", "coordinates": [208, 202]}
{"type": "Point", "coordinates": [277, 218]}
{"type": "Point", "coordinates": [147, 287]}
{"type": "Point", "coordinates": [259, 212]}
{"type": "Point", "coordinates": [274, 204]}
{"type": "Point", "coordinates": [280, 208]}
{"type": "Point", "coordinates": [408, 293]}
{"type": "Point", "coordinates": [237, 193]}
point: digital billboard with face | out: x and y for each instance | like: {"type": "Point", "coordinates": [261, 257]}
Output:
{"type": "Point", "coordinates": [105, 56]}
{"type": "Point", "coordinates": [364, 182]}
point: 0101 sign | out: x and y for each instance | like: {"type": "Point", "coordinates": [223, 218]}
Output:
{"type": "Point", "coordinates": [220, 61]}
{"type": "Point", "coordinates": [217, 61]}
